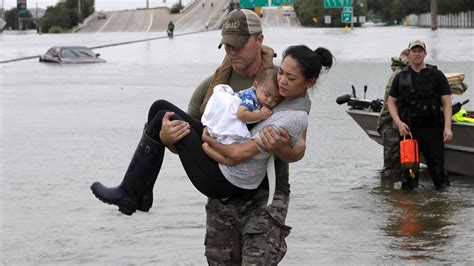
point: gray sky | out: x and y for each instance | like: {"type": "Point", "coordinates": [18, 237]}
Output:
{"type": "Point", "coordinates": [105, 5]}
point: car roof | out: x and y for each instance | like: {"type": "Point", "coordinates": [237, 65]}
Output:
{"type": "Point", "coordinates": [70, 47]}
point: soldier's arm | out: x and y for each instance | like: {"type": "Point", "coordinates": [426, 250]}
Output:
{"type": "Point", "coordinates": [447, 112]}
{"type": "Point", "coordinates": [198, 98]}
{"type": "Point", "coordinates": [392, 108]}
{"type": "Point", "coordinates": [173, 131]}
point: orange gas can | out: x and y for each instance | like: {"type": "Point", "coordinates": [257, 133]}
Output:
{"type": "Point", "coordinates": [409, 152]}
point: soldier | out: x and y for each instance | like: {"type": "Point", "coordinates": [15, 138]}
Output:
{"type": "Point", "coordinates": [239, 229]}
{"type": "Point", "coordinates": [420, 104]}
{"type": "Point", "coordinates": [387, 129]}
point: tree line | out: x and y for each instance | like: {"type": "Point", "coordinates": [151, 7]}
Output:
{"type": "Point", "coordinates": [59, 18]}
{"type": "Point", "coordinates": [312, 12]}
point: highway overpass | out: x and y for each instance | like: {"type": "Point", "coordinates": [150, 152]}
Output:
{"type": "Point", "coordinates": [193, 18]}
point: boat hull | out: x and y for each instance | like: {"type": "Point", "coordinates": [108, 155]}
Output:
{"type": "Point", "coordinates": [459, 152]}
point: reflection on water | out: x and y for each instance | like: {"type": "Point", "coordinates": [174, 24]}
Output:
{"type": "Point", "coordinates": [420, 224]}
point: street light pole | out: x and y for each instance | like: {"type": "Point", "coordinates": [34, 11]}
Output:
{"type": "Point", "coordinates": [352, 16]}
{"type": "Point", "coordinates": [434, 14]}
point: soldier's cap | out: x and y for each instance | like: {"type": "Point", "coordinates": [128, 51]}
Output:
{"type": "Point", "coordinates": [401, 60]}
{"type": "Point", "coordinates": [417, 43]}
{"type": "Point", "coordinates": [238, 26]}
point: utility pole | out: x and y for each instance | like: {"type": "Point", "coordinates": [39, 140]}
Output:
{"type": "Point", "coordinates": [434, 14]}
{"type": "Point", "coordinates": [79, 8]}
{"type": "Point", "coordinates": [147, 4]}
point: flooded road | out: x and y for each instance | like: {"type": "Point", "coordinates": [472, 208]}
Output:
{"type": "Point", "coordinates": [63, 127]}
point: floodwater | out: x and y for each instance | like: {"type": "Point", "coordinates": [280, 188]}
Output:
{"type": "Point", "coordinates": [63, 127]}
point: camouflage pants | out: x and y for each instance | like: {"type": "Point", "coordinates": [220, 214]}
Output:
{"type": "Point", "coordinates": [242, 231]}
{"type": "Point", "coordinates": [391, 151]}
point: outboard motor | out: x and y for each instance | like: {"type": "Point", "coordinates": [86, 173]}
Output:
{"type": "Point", "coordinates": [360, 104]}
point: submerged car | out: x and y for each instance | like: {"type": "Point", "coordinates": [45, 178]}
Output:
{"type": "Point", "coordinates": [71, 55]}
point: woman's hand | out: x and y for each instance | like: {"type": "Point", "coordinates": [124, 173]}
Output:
{"type": "Point", "coordinates": [234, 153]}
{"type": "Point", "coordinates": [279, 144]}
{"type": "Point", "coordinates": [217, 156]}
{"type": "Point", "coordinates": [173, 131]}
{"type": "Point", "coordinates": [273, 142]}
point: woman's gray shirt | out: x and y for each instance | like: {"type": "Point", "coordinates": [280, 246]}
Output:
{"type": "Point", "coordinates": [291, 115]}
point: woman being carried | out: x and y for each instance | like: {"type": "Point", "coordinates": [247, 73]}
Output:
{"type": "Point", "coordinates": [298, 73]}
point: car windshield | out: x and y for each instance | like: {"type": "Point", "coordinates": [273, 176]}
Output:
{"type": "Point", "coordinates": [77, 52]}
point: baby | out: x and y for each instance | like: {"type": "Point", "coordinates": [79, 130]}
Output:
{"type": "Point", "coordinates": [227, 113]}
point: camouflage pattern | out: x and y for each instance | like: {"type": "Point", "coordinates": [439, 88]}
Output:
{"type": "Point", "coordinates": [397, 65]}
{"type": "Point", "coordinates": [243, 231]}
{"type": "Point", "coordinates": [391, 151]}
{"type": "Point", "coordinates": [385, 126]}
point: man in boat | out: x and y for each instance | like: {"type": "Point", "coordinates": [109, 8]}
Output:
{"type": "Point", "coordinates": [420, 104]}
{"type": "Point", "coordinates": [389, 130]}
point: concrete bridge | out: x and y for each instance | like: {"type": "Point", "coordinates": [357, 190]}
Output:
{"type": "Point", "coordinates": [192, 18]}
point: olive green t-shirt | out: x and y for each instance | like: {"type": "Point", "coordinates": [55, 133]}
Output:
{"type": "Point", "coordinates": [238, 82]}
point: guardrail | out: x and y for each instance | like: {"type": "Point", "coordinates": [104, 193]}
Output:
{"type": "Point", "coordinates": [105, 45]}
{"type": "Point", "coordinates": [460, 20]}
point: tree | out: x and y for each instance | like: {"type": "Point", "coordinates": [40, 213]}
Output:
{"type": "Point", "coordinates": [390, 10]}
{"type": "Point", "coordinates": [12, 17]}
{"type": "Point", "coordinates": [454, 6]}
{"type": "Point", "coordinates": [65, 14]}
{"type": "Point", "coordinates": [306, 10]}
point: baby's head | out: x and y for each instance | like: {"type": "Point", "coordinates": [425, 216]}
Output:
{"type": "Point", "coordinates": [266, 86]}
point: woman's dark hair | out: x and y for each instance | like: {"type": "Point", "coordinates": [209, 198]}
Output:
{"type": "Point", "coordinates": [311, 62]}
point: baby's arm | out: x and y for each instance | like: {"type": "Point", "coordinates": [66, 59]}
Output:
{"type": "Point", "coordinates": [243, 114]}
{"type": "Point", "coordinates": [211, 152]}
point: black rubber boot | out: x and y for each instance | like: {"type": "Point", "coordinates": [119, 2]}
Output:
{"type": "Point", "coordinates": [442, 182]}
{"type": "Point", "coordinates": [147, 200]}
{"type": "Point", "coordinates": [142, 171]}
{"type": "Point", "coordinates": [411, 178]}
{"type": "Point", "coordinates": [410, 183]}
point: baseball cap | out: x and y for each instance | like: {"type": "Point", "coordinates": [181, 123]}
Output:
{"type": "Point", "coordinates": [417, 43]}
{"type": "Point", "coordinates": [401, 60]}
{"type": "Point", "coordinates": [238, 26]}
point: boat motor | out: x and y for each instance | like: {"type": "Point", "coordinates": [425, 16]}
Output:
{"type": "Point", "coordinates": [457, 106]}
{"type": "Point", "coordinates": [360, 104]}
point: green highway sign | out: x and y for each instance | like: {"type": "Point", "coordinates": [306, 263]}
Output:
{"type": "Point", "coordinates": [337, 3]}
{"type": "Point", "coordinates": [260, 3]}
{"type": "Point", "coordinates": [346, 16]}
{"type": "Point", "coordinates": [253, 3]}
{"type": "Point", "coordinates": [282, 2]}
{"type": "Point", "coordinates": [23, 12]}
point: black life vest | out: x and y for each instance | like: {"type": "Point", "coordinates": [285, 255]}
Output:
{"type": "Point", "coordinates": [419, 102]}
